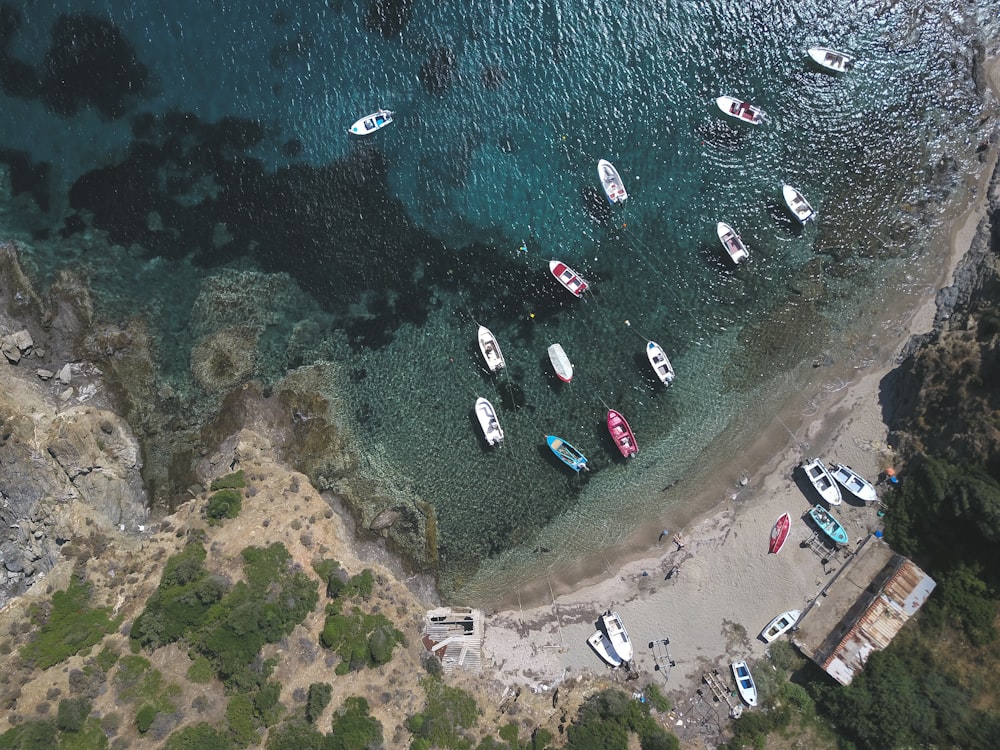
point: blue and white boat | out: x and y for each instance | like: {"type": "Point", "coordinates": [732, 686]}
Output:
{"type": "Point", "coordinates": [828, 524]}
{"type": "Point", "coordinates": [370, 123]}
{"type": "Point", "coordinates": [567, 453]}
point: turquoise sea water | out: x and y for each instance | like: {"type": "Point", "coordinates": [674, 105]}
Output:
{"type": "Point", "coordinates": [502, 111]}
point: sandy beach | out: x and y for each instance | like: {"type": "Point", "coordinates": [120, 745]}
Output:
{"type": "Point", "coordinates": [725, 587]}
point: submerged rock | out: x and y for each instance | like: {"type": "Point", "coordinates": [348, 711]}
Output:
{"type": "Point", "coordinates": [437, 72]}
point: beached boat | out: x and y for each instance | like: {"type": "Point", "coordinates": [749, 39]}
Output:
{"type": "Point", "coordinates": [488, 421]}
{"type": "Point", "coordinates": [779, 533]}
{"type": "Point", "coordinates": [370, 123]}
{"type": "Point", "coordinates": [741, 110]}
{"type": "Point", "coordinates": [611, 181]}
{"type": "Point", "coordinates": [661, 365]}
{"type": "Point", "coordinates": [780, 625]}
{"type": "Point", "coordinates": [797, 204]}
{"type": "Point", "coordinates": [621, 433]}
{"type": "Point", "coordinates": [617, 634]}
{"type": "Point", "coordinates": [732, 242]}
{"type": "Point", "coordinates": [602, 646]}
{"type": "Point", "coordinates": [567, 453]}
{"type": "Point", "coordinates": [828, 524]}
{"type": "Point", "coordinates": [830, 59]}
{"type": "Point", "coordinates": [820, 478]}
{"type": "Point", "coordinates": [854, 483]}
{"type": "Point", "coordinates": [491, 349]}
{"type": "Point", "coordinates": [744, 683]}
{"type": "Point", "coordinates": [569, 278]}
{"type": "Point", "coordinates": [560, 363]}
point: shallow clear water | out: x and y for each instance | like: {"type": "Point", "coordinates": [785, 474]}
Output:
{"type": "Point", "coordinates": [495, 173]}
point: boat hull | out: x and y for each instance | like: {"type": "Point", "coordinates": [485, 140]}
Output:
{"type": "Point", "coordinates": [744, 683]}
{"type": "Point", "coordinates": [854, 483]}
{"type": "Point", "coordinates": [566, 453]}
{"type": "Point", "coordinates": [822, 481]}
{"type": "Point", "coordinates": [603, 648]}
{"type": "Point", "coordinates": [779, 533]}
{"type": "Point", "coordinates": [741, 110]}
{"type": "Point", "coordinates": [830, 59]}
{"type": "Point", "coordinates": [797, 204]}
{"type": "Point", "coordinates": [560, 363]}
{"type": "Point", "coordinates": [611, 181]}
{"type": "Point", "coordinates": [731, 242]}
{"type": "Point", "coordinates": [371, 123]}
{"type": "Point", "coordinates": [661, 365]}
{"type": "Point", "coordinates": [488, 421]}
{"type": "Point", "coordinates": [617, 635]}
{"type": "Point", "coordinates": [780, 625]}
{"type": "Point", "coordinates": [828, 524]}
{"type": "Point", "coordinates": [490, 349]}
{"type": "Point", "coordinates": [570, 279]}
{"type": "Point", "coordinates": [621, 433]}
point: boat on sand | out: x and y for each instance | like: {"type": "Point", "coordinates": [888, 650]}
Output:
{"type": "Point", "coordinates": [569, 278]}
{"type": "Point", "coordinates": [830, 59]}
{"type": "Point", "coordinates": [566, 453]}
{"type": "Point", "coordinates": [560, 363]}
{"type": "Point", "coordinates": [611, 181]}
{"type": "Point", "coordinates": [621, 433]}
{"type": "Point", "coordinates": [854, 483]}
{"type": "Point", "coordinates": [828, 524]}
{"type": "Point", "coordinates": [617, 635]}
{"type": "Point", "coordinates": [600, 643]}
{"type": "Point", "coordinates": [661, 365]}
{"type": "Point", "coordinates": [741, 110]}
{"type": "Point", "coordinates": [490, 349]}
{"type": "Point", "coordinates": [488, 421]}
{"type": "Point", "coordinates": [780, 625]}
{"type": "Point", "coordinates": [779, 533]}
{"type": "Point", "coordinates": [820, 478]}
{"type": "Point", "coordinates": [744, 683]}
{"type": "Point", "coordinates": [732, 242]}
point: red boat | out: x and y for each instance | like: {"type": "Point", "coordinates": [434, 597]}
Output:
{"type": "Point", "coordinates": [622, 434]}
{"type": "Point", "coordinates": [569, 278]}
{"type": "Point", "coordinates": [780, 533]}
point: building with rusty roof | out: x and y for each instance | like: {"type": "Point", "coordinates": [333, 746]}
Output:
{"type": "Point", "coordinates": [861, 609]}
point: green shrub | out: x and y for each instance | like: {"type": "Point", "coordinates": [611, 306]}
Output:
{"type": "Point", "coordinates": [137, 682]}
{"type": "Point", "coordinates": [234, 481]}
{"type": "Point", "coordinates": [241, 720]}
{"type": "Point", "coordinates": [296, 734]}
{"type": "Point", "coordinates": [540, 739]}
{"type": "Point", "coordinates": [353, 728]}
{"type": "Point", "coordinates": [106, 659]}
{"type": "Point", "coordinates": [90, 737]}
{"type": "Point", "coordinates": [223, 504]}
{"type": "Point", "coordinates": [656, 698]}
{"type": "Point", "coordinates": [70, 626]}
{"type": "Point", "coordinates": [319, 698]}
{"type": "Point", "coordinates": [361, 639]}
{"type": "Point", "coordinates": [199, 737]}
{"type": "Point", "coordinates": [448, 711]}
{"type": "Point", "coordinates": [72, 713]}
{"type": "Point", "coordinates": [31, 735]}
{"type": "Point", "coordinates": [200, 670]}
{"type": "Point", "coordinates": [144, 718]}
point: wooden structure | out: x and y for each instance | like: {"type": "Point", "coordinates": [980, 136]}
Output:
{"type": "Point", "coordinates": [455, 636]}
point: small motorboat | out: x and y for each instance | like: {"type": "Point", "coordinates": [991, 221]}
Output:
{"type": "Point", "coordinates": [780, 625]}
{"type": "Point", "coordinates": [779, 533]}
{"type": "Point", "coordinates": [621, 433]}
{"type": "Point", "coordinates": [488, 421]}
{"type": "Point", "coordinates": [828, 524]}
{"type": "Point", "coordinates": [830, 59]}
{"type": "Point", "coordinates": [820, 478]}
{"type": "Point", "coordinates": [491, 349]}
{"type": "Point", "coordinates": [611, 181]}
{"type": "Point", "coordinates": [732, 242]}
{"type": "Point", "coordinates": [797, 204]}
{"type": "Point", "coordinates": [617, 635]}
{"type": "Point", "coordinates": [567, 453]}
{"type": "Point", "coordinates": [560, 363]}
{"type": "Point", "coordinates": [600, 643]}
{"type": "Point", "coordinates": [854, 483]}
{"type": "Point", "coordinates": [661, 365]}
{"type": "Point", "coordinates": [744, 683]}
{"type": "Point", "coordinates": [568, 278]}
{"type": "Point", "coordinates": [741, 110]}
{"type": "Point", "coordinates": [370, 123]}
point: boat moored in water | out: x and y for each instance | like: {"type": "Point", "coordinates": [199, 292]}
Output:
{"type": "Point", "coordinates": [731, 242]}
{"type": "Point", "coordinates": [574, 282]}
{"type": "Point", "coordinates": [797, 204]}
{"type": "Point", "coordinates": [661, 365]}
{"type": "Point", "coordinates": [560, 363]}
{"type": "Point", "coordinates": [611, 181]}
{"type": "Point", "coordinates": [566, 453]}
{"type": "Point", "coordinates": [490, 349]}
{"type": "Point", "coordinates": [370, 123]}
{"type": "Point", "coordinates": [830, 59]}
{"type": "Point", "coordinates": [488, 421]}
{"type": "Point", "coordinates": [621, 433]}
{"type": "Point", "coordinates": [741, 110]}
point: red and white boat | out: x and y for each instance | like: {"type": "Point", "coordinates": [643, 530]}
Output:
{"type": "Point", "coordinates": [622, 434]}
{"type": "Point", "coordinates": [779, 534]}
{"type": "Point", "coordinates": [560, 363]}
{"type": "Point", "coordinates": [569, 278]}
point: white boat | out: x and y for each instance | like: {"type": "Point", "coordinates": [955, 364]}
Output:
{"type": "Point", "coordinates": [741, 110]}
{"type": "Point", "coordinates": [830, 59]}
{"type": "Point", "coordinates": [822, 480]}
{"type": "Point", "coordinates": [611, 181]}
{"type": "Point", "coordinates": [574, 282]}
{"type": "Point", "coordinates": [600, 643]}
{"type": "Point", "coordinates": [732, 242]}
{"type": "Point", "coordinates": [370, 123]}
{"type": "Point", "coordinates": [854, 483]}
{"type": "Point", "coordinates": [561, 363]}
{"type": "Point", "coordinates": [617, 635]}
{"type": "Point", "coordinates": [797, 204]}
{"type": "Point", "coordinates": [488, 421]}
{"type": "Point", "coordinates": [780, 625]}
{"type": "Point", "coordinates": [491, 349]}
{"type": "Point", "coordinates": [744, 683]}
{"type": "Point", "coordinates": [661, 365]}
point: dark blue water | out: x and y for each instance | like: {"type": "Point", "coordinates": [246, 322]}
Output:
{"type": "Point", "coordinates": [206, 143]}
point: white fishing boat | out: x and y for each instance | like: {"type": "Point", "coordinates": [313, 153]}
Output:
{"type": "Point", "coordinates": [560, 363]}
{"type": "Point", "coordinates": [741, 110]}
{"type": "Point", "coordinates": [854, 483]}
{"type": "Point", "coordinates": [744, 683]}
{"type": "Point", "coordinates": [830, 59]}
{"type": "Point", "coordinates": [602, 646]}
{"type": "Point", "coordinates": [820, 478]}
{"type": "Point", "coordinates": [370, 123]}
{"type": "Point", "coordinates": [661, 365]}
{"type": "Point", "coordinates": [797, 204]}
{"type": "Point", "coordinates": [488, 421]}
{"type": "Point", "coordinates": [732, 242]}
{"type": "Point", "coordinates": [617, 635]}
{"type": "Point", "coordinates": [780, 625]}
{"type": "Point", "coordinates": [611, 181]}
{"type": "Point", "coordinates": [491, 349]}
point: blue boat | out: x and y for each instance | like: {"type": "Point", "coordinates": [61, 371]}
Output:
{"type": "Point", "coordinates": [567, 453]}
{"type": "Point", "coordinates": [830, 525]}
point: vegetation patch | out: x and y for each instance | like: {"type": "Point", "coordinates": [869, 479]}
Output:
{"type": "Point", "coordinates": [234, 481]}
{"type": "Point", "coordinates": [223, 504]}
{"type": "Point", "coordinates": [608, 719]}
{"type": "Point", "coordinates": [448, 712]}
{"type": "Point", "coordinates": [68, 627]}
{"type": "Point", "coordinates": [361, 639]}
